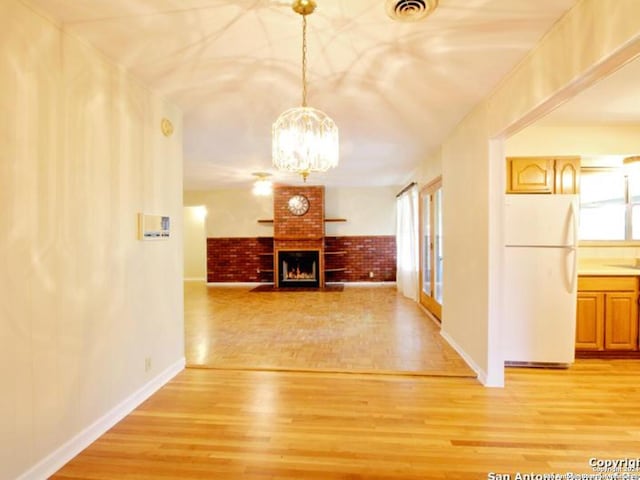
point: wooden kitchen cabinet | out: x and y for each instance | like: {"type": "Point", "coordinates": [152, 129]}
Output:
{"type": "Point", "coordinates": [530, 175]}
{"type": "Point", "coordinates": [607, 314]}
{"type": "Point", "coordinates": [590, 321]}
{"type": "Point", "coordinates": [567, 175]}
{"type": "Point", "coordinates": [621, 321]}
{"type": "Point", "coordinates": [560, 175]}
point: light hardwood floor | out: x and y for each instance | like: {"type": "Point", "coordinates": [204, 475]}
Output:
{"type": "Point", "coordinates": [243, 423]}
{"type": "Point", "coordinates": [225, 424]}
{"type": "Point", "coordinates": [361, 329]}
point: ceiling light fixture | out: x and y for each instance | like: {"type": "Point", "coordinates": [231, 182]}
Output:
{"type": "Point", "coordinates": [262, 186]}
{"type": "Point", "coordinates": [304, 139]}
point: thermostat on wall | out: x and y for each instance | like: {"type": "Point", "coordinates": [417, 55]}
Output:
{"type": "Point", "coordinates": [153, 227]}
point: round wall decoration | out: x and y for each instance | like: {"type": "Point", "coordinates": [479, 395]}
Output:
{"type": "Point", "coordinates": [298, 205]}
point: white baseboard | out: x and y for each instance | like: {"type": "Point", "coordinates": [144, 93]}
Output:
{"type": "Point", "coordinates": [59, 457]}
{"type": "Point", "coordinates": [194, 279]}
{"type": "Point", "coordinates": [482, 375]}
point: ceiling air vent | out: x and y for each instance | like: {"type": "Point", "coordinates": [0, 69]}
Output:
{"type": "Point", "coordinates": [410, 10]}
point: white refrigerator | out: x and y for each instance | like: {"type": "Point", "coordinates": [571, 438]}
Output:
{"type": "Point", "coordinates": [541, 234]}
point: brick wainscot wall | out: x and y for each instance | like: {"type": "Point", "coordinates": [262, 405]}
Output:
{"type": "Point", "coordinates": [250, 259]}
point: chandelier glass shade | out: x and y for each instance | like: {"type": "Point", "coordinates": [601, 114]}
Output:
{"type": "Point", "coordinates": [304, 139]}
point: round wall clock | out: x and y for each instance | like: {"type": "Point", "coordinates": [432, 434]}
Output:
{"type": "Point", "coordinates": [298, 204]}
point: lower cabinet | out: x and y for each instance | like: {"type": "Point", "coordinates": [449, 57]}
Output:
{"type": "Point", "coordinates": [590, 321]}
{"type": "Point", "coordinates": [607, 313]}
{"type": "Point", "coordinates": [621, 321]}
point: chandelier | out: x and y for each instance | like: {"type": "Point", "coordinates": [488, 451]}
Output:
{"type": "Point", "coordinates": [304, 139]}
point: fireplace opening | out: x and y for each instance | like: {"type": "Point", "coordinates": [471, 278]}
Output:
{"type": "Point", "coordinates": [300, 268]}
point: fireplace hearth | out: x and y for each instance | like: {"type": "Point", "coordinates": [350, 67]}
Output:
{"type": "Point", "coordinates": [298, 268]}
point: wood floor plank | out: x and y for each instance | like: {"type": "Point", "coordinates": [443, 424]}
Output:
{"type": "Point", "coordinates": [300, 425]}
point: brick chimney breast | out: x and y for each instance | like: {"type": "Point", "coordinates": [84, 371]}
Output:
{"type": "Point", "coordinates": [299, 232]}
{"type": "Point", "coordinates": [290, 226]}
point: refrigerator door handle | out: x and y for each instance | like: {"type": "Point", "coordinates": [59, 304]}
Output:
{"type": "Point", "coordinates": [573, 250]}
{"type": "Point", "coordinates": [574, 221]}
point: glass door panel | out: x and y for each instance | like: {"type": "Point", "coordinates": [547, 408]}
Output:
{"type": "Point", "coordinates": [437, 254]}
{"type": "Point", "coordinates": [426, 245]}
{"type": "Point", "coordinates": [431, 248]}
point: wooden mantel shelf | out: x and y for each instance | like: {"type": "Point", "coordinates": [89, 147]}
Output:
{"type": "Point", "coordinates": [270, 220]}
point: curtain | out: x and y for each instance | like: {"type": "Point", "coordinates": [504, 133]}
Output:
{"type": "Point", "coordinates": [407, 243]}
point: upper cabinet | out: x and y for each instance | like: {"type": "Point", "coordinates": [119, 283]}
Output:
{"type": "Point", "coordinates": [559, 175]}
{"type": "Point", "coordinates": [530, 175]}
{"type": "Point", "coordinates": [567, 175]}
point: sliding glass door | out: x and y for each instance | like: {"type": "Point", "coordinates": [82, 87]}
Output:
{"type": "Point", "coordinates": [431, 248]}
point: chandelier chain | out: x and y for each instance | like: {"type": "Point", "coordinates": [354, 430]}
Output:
{"type": "Point", "coordinates": [304, 139]}
{"type": "Point", "coordinates": [304, 60]}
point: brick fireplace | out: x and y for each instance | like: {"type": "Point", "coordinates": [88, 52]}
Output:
{"type": "Point", "coordinates": [293, 234]}
{"type": "Point", "coordinates": [298, 268]}
{"type": "Point", "coordinates": [364, 258]}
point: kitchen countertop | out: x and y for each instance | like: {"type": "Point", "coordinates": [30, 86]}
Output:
{"type": "Point", "coordinates": [625, 267]}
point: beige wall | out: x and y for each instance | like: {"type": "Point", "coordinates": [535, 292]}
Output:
{"type": "Point", "coordinates": [597, 36]}
{"type": "Point", "coordinates": [589, 140]}
{"type": "Point", "coordinates": [195, 243]}
{"type": "Point", "coordinates": [83, 302]}
{"type": "Point", "coordinates": [466, 215]}
{"type": "Point", "coordinates": [235, 212]}
{"type": "Point", "coordinates": [368, 211]}
{"type": "Point", "coordinates": [430, 169]}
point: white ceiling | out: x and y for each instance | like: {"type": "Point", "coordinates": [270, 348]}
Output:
{"type": "Point", "coordinates": [394, 89]}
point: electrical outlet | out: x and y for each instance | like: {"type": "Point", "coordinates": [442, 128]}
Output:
{"type": "Point", "coordinates": [147, 364]}
{"type": "Point", "coordinates": [370, 274]}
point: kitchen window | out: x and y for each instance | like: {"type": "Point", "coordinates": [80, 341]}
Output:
{"type": "Point", "coordinates": [609, 204]}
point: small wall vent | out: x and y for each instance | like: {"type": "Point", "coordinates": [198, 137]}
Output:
{"type": "Point", "coordinates": [410, 10]}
